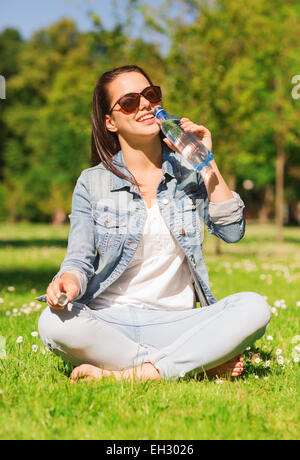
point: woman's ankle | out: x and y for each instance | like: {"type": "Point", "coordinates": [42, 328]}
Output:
{"type": "Point", "coordinates": [149, 370]}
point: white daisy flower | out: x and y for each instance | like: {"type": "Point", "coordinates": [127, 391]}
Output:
{"type": "Point", "coordinates": [34, 348]}
{"type": "Point", "coordinates": [296, 359]}
{"type": "Point", "coordinates": [19, 339]}
{"type": "Point", "coordinates": [269, 337]}
{"type": "Point", "coordinates": [34, 334]}
{"type": "Point", "coordinates": [278, 351]}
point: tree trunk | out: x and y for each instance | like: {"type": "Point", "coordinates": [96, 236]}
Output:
{"type": "Point", "coordinates": [217, 246]}
{"type": "Point", "coordinates": [265, 208]}
{"type": "Point", "coordinates": [279, 198]}
{"type": "Point", "coordinates": [58, 218]}
{"type": "Point", "coordinates": [231, 181]}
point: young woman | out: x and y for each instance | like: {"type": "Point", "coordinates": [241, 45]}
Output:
{"type": "Point", "coordinates": [134, 268]}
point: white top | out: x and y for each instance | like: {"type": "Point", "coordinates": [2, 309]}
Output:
{"type": "Point", "coordinates": [158, 276]}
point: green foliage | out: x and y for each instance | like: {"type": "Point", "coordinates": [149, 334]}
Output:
{"type": "Point", "coordinates": [229, 67]}
{"type": "Point", "coordinates": [233, 66]}
{"type": "Point", "coordinates": [48, 118]}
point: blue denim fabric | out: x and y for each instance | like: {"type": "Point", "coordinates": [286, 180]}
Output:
{"type": "Point", "coordinates": [108, 216]}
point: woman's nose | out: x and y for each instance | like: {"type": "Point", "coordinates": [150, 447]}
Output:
{"type": "Point", "coordinates": [144, 103]}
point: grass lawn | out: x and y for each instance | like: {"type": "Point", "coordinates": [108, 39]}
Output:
{"type": "Point", "coordinates": [38, 402]}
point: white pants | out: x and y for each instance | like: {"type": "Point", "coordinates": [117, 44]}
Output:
{"type": "Point", "coordinates": [176, 342]}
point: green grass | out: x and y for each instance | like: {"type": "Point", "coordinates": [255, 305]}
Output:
{"type": "Point", "coordinates": [38, 402]}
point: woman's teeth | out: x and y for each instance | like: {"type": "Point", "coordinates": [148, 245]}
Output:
{"type": "Point", "coordinates": [146, 117]}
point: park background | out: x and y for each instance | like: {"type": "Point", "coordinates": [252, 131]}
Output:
{"type": "Point", "coordinates": [228, 64]}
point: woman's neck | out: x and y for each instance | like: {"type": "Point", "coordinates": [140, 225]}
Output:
{"type": "Point", "coordinates": [142, 158]}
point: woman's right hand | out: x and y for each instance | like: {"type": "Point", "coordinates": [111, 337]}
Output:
{"type": "Point", "coordinates": [67, 284]}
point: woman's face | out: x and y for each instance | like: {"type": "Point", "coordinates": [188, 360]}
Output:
{"type": "Point", "coordinates": [131, 126]}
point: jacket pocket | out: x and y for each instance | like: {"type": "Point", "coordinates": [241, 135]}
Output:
{"type": "Point", "coordinates": [187, 215]}
{"type": "Point", "coordinates": [110, 228]}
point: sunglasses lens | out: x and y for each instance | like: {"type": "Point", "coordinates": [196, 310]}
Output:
{"type": "Point", "coordinates": [129, 103]}
{"type": "Point", "coordinates": [153, 94]}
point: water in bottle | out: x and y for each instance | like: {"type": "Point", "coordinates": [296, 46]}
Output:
{"type": "Point", "coordinates": [188, 144]}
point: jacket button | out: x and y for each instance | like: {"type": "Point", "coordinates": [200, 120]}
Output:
{"type": "Point", "coordinates": [165, 201]}
{"type": "Point", "coordinates": [181, 231]}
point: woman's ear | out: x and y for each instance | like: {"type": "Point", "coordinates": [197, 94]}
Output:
{"type": "Point", "coordinates": [110, 124]}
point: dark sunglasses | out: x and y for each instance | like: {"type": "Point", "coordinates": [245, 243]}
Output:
{"type": "Point", "coordinates": [130, 102]}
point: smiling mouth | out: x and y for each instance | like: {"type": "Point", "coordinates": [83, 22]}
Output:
{"type": "Point", "coordinates": [148, 116]}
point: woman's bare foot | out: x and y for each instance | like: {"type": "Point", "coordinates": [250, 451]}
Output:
{"type": "Point", "coordinates": [232, 368]}
{"type": "Point", "coordinates": [89, 372]}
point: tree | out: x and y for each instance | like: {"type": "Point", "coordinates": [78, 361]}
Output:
{"type": "Point", "coordinates": [230, 67]}
{"type": "Point", "coordinates": [50, 119]}
{"type": "Point", "coordinates": [10, 47]}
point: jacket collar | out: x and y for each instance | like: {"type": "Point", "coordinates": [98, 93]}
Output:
{"type": "Point", "coordinates": [170, 167]}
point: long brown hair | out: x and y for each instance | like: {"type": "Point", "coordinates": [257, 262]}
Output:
{"type": "Point", "coordinates": [105, 144]}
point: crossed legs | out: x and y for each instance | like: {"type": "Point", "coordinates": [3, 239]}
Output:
{"type": "Point", "coordinates": [210, 339]}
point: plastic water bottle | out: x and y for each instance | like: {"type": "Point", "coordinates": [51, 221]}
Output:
{"type": "Point", "coordinates": [62, 300]}
{"type": "Point", "coordinates": [188, 144]}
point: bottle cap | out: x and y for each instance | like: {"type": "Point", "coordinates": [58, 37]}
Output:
{"type": "Point", "coordinates": [159, 113]}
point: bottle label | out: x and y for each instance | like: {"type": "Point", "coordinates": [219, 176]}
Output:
{"type": "Point", "coordinates": [172, 131]}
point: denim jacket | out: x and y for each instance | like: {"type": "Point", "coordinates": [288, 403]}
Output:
{"type": "Point", "coordinates": [108, 216]}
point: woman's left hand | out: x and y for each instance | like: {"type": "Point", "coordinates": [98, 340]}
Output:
{"type": "Point", "coordinates": [199, 130]}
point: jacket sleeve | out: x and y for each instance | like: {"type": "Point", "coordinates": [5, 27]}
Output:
{"type": "Point", "coordinates": [225, 219]}
{"type": "Point", "coordinates": [81, 251]}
